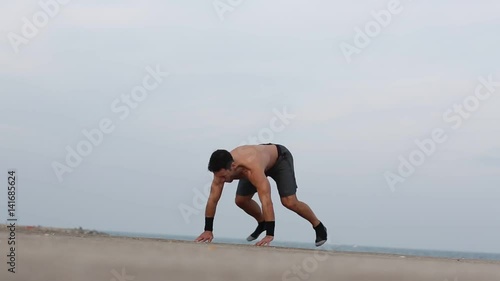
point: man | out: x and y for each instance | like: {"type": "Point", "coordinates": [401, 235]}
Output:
{"type": "Point", "coordinates": [251, 165]}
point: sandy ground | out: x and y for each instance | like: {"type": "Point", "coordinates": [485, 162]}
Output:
{"type": "Point", "coordinates": [58, 256]}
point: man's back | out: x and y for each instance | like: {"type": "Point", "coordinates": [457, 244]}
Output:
{"type": "Point", "coordinates": [265, 155]}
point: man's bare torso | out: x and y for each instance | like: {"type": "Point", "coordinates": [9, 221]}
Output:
{"type": "Point", "coordinates": [261, 157]}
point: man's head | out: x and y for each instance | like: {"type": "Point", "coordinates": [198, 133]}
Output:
{"type": "Point", "coordinates": [221, 164]}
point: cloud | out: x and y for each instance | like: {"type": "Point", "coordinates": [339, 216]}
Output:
{"type": "Point", "coordinates": [490, 156]}
{"type": "Point", "coordinates": [106, 16]}
{"type": "Point", "coordinates": [9, 129]}
{"type": "Point", "coordinates": [9, 132]}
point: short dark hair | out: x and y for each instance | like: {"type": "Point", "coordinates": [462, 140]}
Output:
{"type": "Point", "coordinates": [220, 159]}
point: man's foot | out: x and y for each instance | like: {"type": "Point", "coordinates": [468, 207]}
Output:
{"type": "Point", "coordinates": [321, 235]}
{"type": "Point", "coordinates": [260, 228]}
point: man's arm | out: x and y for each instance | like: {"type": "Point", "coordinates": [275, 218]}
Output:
{"type": "Point", "coordinates": [213, 199]}
{"type": "Point", "coordinates": [261, 183]}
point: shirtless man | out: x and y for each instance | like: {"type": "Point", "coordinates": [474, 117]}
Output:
{"type": "Point", "coordinates": [251, 165]}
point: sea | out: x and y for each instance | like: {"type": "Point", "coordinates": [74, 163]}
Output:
{"type": "Point", "coordinates": [329, 247]}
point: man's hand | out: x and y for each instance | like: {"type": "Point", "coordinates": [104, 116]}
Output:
{"type": "Point", "coordinates": [206, 236]}
{"type": "Point", "coordinates": [265, 241]}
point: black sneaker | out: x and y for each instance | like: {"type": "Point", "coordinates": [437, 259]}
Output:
{"type": "Point", "coordinates": [260, 228]}
{"type": "Point", "coordinates": [321, 234]}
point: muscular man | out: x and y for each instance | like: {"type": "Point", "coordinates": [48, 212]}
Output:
{"type": "Point", "coordinates": [251, 165]}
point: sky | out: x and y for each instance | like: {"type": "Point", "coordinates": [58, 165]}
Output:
{"type": "Point", "coordinates": [219, 76]}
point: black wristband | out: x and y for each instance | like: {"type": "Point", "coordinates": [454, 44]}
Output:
{"type": "Point", "coordinates": [209, 224]}
{"type": "Point", "coordinates": [269, 225]}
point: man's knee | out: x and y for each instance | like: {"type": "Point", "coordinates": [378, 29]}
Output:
{"type": "Point", "coordinates": [290, 202]}
{"type": "Point", "coordinates": [242, 200]}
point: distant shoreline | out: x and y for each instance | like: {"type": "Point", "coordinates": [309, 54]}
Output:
{"type": "Point", "coordinates": [32, 229]}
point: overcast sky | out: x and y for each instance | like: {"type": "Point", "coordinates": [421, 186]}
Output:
{"type": "Point", "coordinates": [227, 81]}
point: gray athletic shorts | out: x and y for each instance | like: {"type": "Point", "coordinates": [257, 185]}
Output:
{"type": "Point", "coordinates": [282, 173]}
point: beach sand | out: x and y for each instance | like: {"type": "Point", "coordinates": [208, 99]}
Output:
{"type": "Point", "coordinates": [77, 256]}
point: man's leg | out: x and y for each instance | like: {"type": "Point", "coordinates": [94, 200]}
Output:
{"type": "Point", "coordinates": [247, 204]}
{"type": "Point", "coordinates": [284, 175]}
{"type": "Point", "coordinates": [244, 194]}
